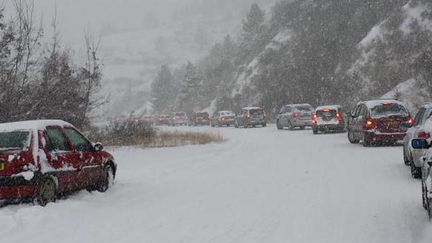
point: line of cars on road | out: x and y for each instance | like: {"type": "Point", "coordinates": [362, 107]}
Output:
{"type": "Point", "coordinates": [375, 123]}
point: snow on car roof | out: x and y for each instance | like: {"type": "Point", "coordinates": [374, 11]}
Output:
{"type": "Point", "coordinates": [328, 107]}
{"type": "Point", "coordinates": [373, 103]}
{"type": "Point", "coordinates": [252, 108]}
{"type": "Point", "coordinates": [299, 105]}
{"type": "Point", "coordinates": [31, 125]}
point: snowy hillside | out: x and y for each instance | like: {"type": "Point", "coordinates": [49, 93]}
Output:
{"type": "Point", "coordinates": [132, 58]}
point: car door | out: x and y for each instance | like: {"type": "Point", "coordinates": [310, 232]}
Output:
{"type": "Point", "coordinates": [285, 115]}
{"type": "Point", "coordinates": [90, 165]}
{"type": "Point", "coordinates": [356, 120]}
{"type": "Point", "coordinates": [62, 159]}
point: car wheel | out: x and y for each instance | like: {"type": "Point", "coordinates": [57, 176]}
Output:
{"type": "Point", "coordinates": [424, 196]}
{"type": "Point", "coordinates": [302, 128]}
{"type": "Point", "coordinates": [367, 142]}
{"type": "Point", "coordinates": [264, 124]}
{"type": "Point", "coordinates": [315, 131]}
{"type": "Point", "coordinates": [108, 179]}
{"type": "Point", "coordinates": [415, 172]}
{"type": "Point", "coordinates": [47, 192]}
{"type": "Point", "coordinates": [290, 126]}
{"type": "Point", "coordinates": [278, 125]}
{"type": "Point", "coordinates": [407, 161]}
{"type": "Point", "coordinates": [352, 138]}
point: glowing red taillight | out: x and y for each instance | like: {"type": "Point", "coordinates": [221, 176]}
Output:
{"type": "Point", "coordinates": [423, 135]}
{"type": "Point", "coordinates": [370, 123]}
{"type": "Point", "coordinates": [411, 122]}
{"type": "Point", "coordinates": [339, 116]}
{"type": "Point", "coordinates": [296, 114]}
{"type": "Point", "coordinates": [314, 118]}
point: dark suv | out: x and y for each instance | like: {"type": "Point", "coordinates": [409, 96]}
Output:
{"type": "Point", "coordinates": [378, 121]}
{"type": "Point", "coordinates": [251, 117]}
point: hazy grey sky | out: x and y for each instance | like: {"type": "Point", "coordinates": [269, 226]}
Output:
{"type": "Point", "coordinates": [74, 16]}
{"type": "Point", "coordinates": [107, 16]}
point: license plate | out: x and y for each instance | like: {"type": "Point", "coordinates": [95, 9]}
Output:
{"type": "Point", "coordinates": [393, 123]}
{"type": "Point", "coordinates": [2, 166]}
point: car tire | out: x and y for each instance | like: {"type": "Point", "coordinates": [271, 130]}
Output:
{"type": "Point", "coordinates": [366, 141]}
{"type": "Point", "coordinates": [302, 128]}
{"type": "Point", "coordinates": [290, 126]}
{"type": "Point", "coordinates": [424, 196]}
{"type": "Point", "coordinates": [278, 125]}
{"type": "Point", "coordinates": [315, 131]}
{"type": "Point", "coordinates": [108, 179]}
{"type": "Point", "coordinates": [407, 161]}
{"type": "Point", "coordinates": [416, 173]}
{"type": "Point", "coordinates": [47, 192]}
{"type": "Point", "coordinates": [351, 138]}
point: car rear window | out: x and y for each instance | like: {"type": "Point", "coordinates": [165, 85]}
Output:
{"type": "Point", "coordinates": [256, 112]}
{"type": "Point", "coordinates": [303, 108]}
{"type": "Point", "coordinates": [389, 109]}
{"type": "Point", "coordinates": [14, 141]}
{"type": "Point", "coordinates": [327, 113]}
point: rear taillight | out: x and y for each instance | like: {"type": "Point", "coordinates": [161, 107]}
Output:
{"type": "Point", "coordinates": [339, 116]}
{"type": "Point", "coordinates": [296, 114]}
{"type": "Point", "coordinates": [370, 123]}
{"type": "Point", "coordinates": [423, 135]}
{"type": "Point", "coordinates": [314, 118]}
{"type": "Point", "coordinates": [411, 121]}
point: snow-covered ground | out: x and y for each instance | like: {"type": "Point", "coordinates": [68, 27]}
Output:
{"type": "Point", "coordinates": [262, 185]}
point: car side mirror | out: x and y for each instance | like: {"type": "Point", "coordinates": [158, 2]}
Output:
{"type": "Point", "coordinates": [98, 147]}
{"type": "Point", "coordinates": [420, 144]}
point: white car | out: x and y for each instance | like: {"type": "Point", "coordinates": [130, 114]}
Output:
{"type": "Point", "coordinates": [425, 144]}
{"type": "Point", "coordinates": [412, 157]}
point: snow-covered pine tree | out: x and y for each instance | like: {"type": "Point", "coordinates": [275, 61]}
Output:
{"type": "Point", "coordinates": [162, 92]}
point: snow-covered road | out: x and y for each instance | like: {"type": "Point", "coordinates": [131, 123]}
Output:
{"type": "Point", "coordinates": [262, 185]}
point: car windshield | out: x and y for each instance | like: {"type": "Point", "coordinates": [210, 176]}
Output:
{"type": "Point", "coordinates": [389, 109]}
{"type": "Point", "coordinates": [304, 108]}
{"type": "Point", "coordinates": [14, 141]}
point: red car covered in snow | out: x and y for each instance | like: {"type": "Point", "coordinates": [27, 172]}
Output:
{"type": "Point", "coordinates": [40, 160]}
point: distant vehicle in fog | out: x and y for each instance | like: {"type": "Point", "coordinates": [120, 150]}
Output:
{"type": "Point", "coordinates": [251, 117]}
{"type": "Point", "coordinates": [378, 121]}
{"type": "Point", "coordinates": [179, 119]}
{"type": "Point", "coordinates": [201, 119]}
{"type": "Point", "coordinates": [420, 129]}
{"type": "Point", "coordinates": [328, 119]}
{"type": "Point", "coordinates": [163, 119]}
{"type": "Point", "coordinates": [223, 118]}
{"type": "Point", "coordinates": [148, 119]}
{"type": "Point", "coordinates": [295, 115]}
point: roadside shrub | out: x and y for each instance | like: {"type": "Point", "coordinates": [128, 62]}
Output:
{"type": "Point", "coordinates": [124, 133]}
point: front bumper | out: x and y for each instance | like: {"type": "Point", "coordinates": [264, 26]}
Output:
{"type": "Point", "coordinates": [17, 188]}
